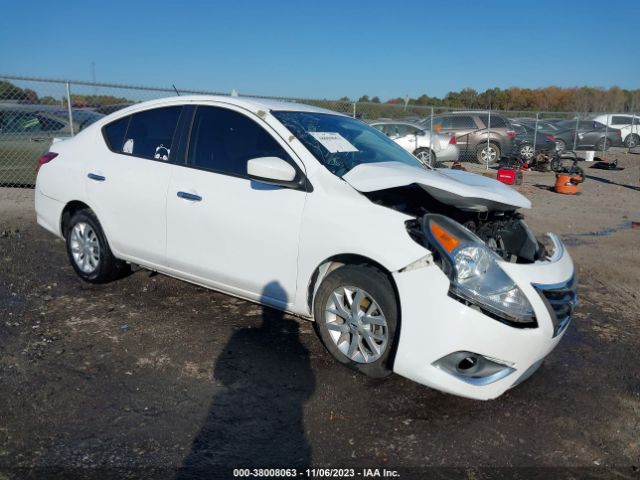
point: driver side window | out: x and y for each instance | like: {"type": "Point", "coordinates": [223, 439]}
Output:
{"type": "Point", "coordinates": [223, 140]}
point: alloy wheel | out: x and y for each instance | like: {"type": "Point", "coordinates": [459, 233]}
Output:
{"type": "Point", "coordinates": [356, 324]}
{"type": "Point", "coordinates": [527, 152]}
{"type": "Point", "coordinates": [488, 154]}
{"type": "Point", "coordinates": [85, 247]}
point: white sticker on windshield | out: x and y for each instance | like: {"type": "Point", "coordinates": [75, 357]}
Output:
{"type": "Point", "coordinates": [334, 142]}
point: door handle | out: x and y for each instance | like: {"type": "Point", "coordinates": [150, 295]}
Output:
{"type": "Point", "coordinates": [189, 196]}
{"type": "Point", "coordinates": [97, 178]}
{"type": "Point", "coordinates": [38, 140]}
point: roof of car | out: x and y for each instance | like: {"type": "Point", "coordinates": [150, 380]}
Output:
{"type": "Point", "coordinates": [250, 103]}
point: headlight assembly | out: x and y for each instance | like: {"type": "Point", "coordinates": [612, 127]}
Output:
{"type": "Point", "coordinates": [475, 273]}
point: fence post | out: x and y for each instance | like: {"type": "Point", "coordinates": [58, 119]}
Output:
{"type": "Point", "coordinates": [606, 139]}
{"type": "Point", "coordinates": [69, 108]}
{"type": "Point", "coordinates": [488, 134]}
{"type": "Point", "coordinates": [431, 139]}
{"type": "Point", "coordinates": [535, 135]}
{"type": "Point", "coordinates": [575, 133]}
{"type": "Point", "coordinates": [354, 109]}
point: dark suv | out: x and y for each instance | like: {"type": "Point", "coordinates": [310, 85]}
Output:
{"type": "Point", "coordinates": [470, 130]}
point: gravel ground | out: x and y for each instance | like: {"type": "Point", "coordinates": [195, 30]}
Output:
{"type": "Point", "coordinates": [149, 375]}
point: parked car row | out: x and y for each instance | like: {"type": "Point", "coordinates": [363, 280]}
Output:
{"type": "Point", "coordinates": [584, 134]}
{"type": "Point", "coordinates": [486, 137]}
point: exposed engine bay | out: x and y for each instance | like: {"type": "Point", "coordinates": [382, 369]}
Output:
{"type": "Point", "coordinates": [503, 231]}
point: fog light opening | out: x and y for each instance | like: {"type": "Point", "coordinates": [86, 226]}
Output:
{"type": "Point", "coordinates": [467, 364]}
{"type": "Point", "coordinates": [474, 368]}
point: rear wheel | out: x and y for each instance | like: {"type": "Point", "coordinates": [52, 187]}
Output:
{"type": "Point", "coordinates": [356, 317]}
{"type": "Point", "coordinates": [603, 144]}
{"type": "Point", "coordinates": [526, 152]}
{"type": "Point", "coordinates": [632, 140]}
{"type": "Point", "coordinates": [426, 156]}
{"type": "Point", "coordinates": [561, 145]}
{"type": "Point", "coordinates": [488, 154]}
{"type": "Point", "coordinates": [88, 250]}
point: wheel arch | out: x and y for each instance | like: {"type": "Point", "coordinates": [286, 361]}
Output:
{"type": "Point", "coordinates": [67, 212]}
{"type": "Point", "coordinates": [336, 261]}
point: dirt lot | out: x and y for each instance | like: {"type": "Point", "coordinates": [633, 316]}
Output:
{"type": "Point", "coordinates": [148, 374]}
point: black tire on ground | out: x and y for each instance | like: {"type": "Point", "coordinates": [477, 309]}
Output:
{"type": "Point", "coordinates": [561, 145]}
{"type": "Point", "coordinates": [423, 153]}
{"type": "Point", "coordinates": [632, 140]}
{"type": "Point", "coordinates": [491, 148]}
{"type": "Point", "coordinates": [603, 144]}
{"type": "Point", "coordinates": [379, 288]}
{"type": "Point", "coordinates": [107, 267]}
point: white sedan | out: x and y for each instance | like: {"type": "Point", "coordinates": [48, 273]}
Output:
{"type": "Point", "coordinates": [428, 147]}
{"type": "Point", "coordinates": [429, 274]}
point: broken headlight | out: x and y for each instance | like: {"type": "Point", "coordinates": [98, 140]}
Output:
{"type": "Point", "coordinates": [474, 271]}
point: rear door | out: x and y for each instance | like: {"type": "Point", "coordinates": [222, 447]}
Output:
{"type": "Point", "coordinates": [127, 179]}
{"type": "Point", "coordinates": [465, 129]}
{"type": "Point", "coordinates": [225, 230]}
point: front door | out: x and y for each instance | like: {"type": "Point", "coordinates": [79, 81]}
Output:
{"type": "Point", "coordinates": [223, 229]}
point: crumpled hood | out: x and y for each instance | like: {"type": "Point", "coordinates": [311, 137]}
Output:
{"type": "Point", "coordinates": [464, 190]}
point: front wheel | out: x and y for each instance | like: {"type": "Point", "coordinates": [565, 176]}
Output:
{"type": "Point", "coordinates": [488, 154]}
{"type": "Point", "coordinates": [88, 250]}
{"type": "Point", "coordinates": [632, 140]}
{"type": "Point", "coordinates": [356, 317]}
{"type": "Point", "coordinates": [426, 156]}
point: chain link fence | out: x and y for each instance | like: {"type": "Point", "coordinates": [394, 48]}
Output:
{"type": "Point", "coordinates": [34, 112]}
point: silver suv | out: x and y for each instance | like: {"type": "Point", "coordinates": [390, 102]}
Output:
{"type": "Point", "coordinates": [470, 130]}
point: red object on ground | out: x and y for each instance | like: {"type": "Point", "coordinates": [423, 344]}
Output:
{"type": "Point", "coordinates": [510, 176]}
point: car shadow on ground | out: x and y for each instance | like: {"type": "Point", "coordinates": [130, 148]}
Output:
{"type": "Point", "coordinates": [256, 420]}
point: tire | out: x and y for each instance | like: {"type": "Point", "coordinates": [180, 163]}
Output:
{"type": "Point", "coordinates": [350, 338]}
{"type": "Point", "coordinates": [603, 144]}
{"type": "Point", "coordinates": [561, 145]}
{"type": "Point", "coordinates": [494, 153]}
{"type": "Point", "coordinates": [426, 156]}
{"type": "Point", "coordinates": [632, 140]}
{"type": "Point", "coordinates": [526, 152]}
{"type": "Point", "coordinates": [88, 250]}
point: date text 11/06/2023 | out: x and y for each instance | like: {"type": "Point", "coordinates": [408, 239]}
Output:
{"type": "Point", "coordinates": [315, 473]}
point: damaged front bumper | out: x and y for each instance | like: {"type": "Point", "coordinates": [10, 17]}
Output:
{"type": "Point", "coordinates": [458, 349]}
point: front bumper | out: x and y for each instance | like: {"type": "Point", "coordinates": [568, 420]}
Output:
{"type": "Point", "coordinates": [434, 325]}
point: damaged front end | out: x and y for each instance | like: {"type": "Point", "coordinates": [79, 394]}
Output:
{"type": "Point", "coordinates": [470, 247]}
{"type": "Point", "coordinates": [489, 300]}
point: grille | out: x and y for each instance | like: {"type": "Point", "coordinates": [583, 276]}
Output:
{"type": "Point", "coordinates": [560, 299]}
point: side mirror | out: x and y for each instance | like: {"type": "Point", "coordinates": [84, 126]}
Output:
{"type": "Point", "coordinates": [272, 170]}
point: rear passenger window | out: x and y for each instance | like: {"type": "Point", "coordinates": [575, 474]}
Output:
{"type": "Point", "coordinates": [223, 141]}
{"type": "Point", "coordinates": [496, 121]}
{"type": "Point", "coordinates": [114, 133]}
{"type": "Point", "coordinates": [150, 133]}
{"type": "Point", "coordinates": [620, 120]}
{"type": "Point", "coordinates": [462, 122]}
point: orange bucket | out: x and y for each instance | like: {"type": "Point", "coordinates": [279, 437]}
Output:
{"type": "Point", "coordinates": [568, 184]}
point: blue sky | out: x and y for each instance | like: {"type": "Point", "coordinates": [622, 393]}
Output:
{"type": "Point", "coordinates": [326, 49]}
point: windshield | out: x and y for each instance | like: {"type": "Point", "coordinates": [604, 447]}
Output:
{"type": "Point", "coordinates": [342, 143]}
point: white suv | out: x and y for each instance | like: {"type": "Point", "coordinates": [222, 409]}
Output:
{"type": "Point", "coordinates": [429, 274]}
{"type": "Point", "coordinates": [628, 124]}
